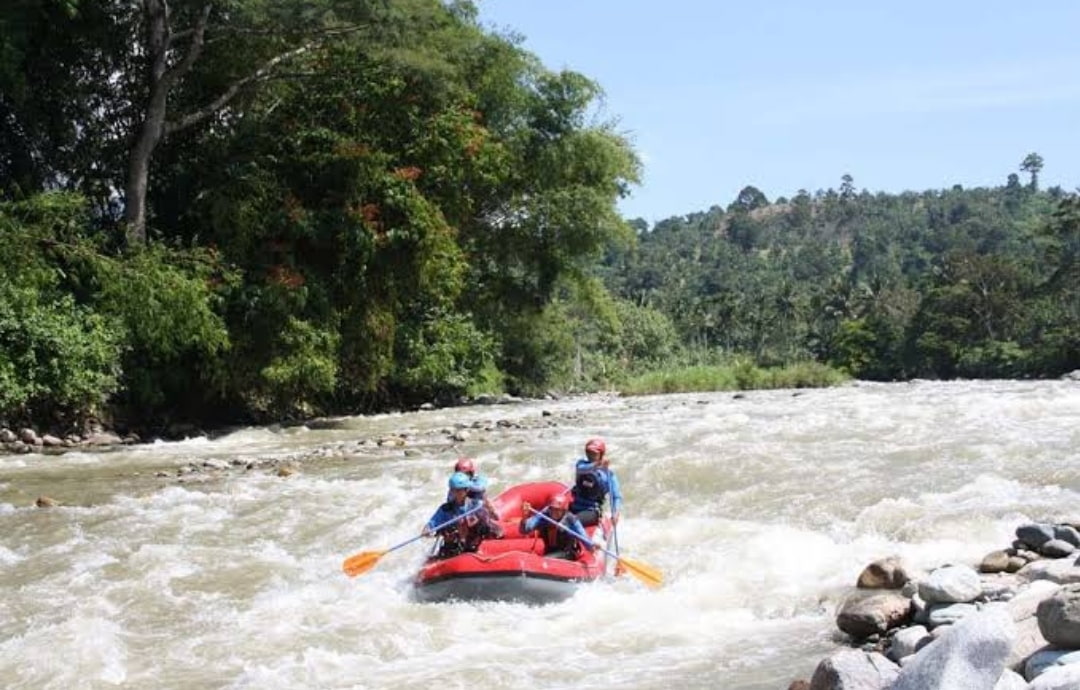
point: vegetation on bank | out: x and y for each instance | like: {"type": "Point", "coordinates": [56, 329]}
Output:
{"type": "Point", "coordinates": [243, 211]}
{"type": "Point", "coordinates": [739, 376]}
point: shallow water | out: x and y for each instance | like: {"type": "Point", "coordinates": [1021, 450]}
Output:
{"type": "Point", "coordinates": [760, 511]}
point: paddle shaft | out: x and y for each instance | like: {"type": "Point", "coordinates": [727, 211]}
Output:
{"type": "Point", "coordinates": [564, 528]}
{"type": "Point", "coordinates": [436, 528]}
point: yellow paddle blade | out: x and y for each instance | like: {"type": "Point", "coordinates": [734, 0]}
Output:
{"type": "Point", "coordinates": [361, 562]}
{"type": "Point", "coordinates": [646, 573]}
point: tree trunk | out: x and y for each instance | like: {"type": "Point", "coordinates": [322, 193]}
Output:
{"type": "Point", "coordinates": [160, 78]}
{"type": "Point", "coordinates": [146, 140]}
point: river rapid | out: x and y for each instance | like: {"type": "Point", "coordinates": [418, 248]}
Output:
{"type": "Point", "coordinates": [760, 509]}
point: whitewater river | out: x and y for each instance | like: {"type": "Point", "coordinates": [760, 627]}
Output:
{"type": "Point", "coordinates": [759, 509]}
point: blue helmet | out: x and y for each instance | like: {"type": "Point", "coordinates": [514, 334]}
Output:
{"type": "Point", "coordinates": [460, 480]}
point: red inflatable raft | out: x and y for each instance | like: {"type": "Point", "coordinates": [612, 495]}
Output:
{"type": "Point", "coordinates": [512, 568]}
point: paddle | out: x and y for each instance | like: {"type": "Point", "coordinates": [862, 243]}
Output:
{"type": "Point", "coordinates": [646, 573]}
{"type": "Point", "coordinates": [619, 569]}
{"type": "Point", "coordinates": [366, 560]}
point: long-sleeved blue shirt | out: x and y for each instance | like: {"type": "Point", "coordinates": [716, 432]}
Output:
{"type": "Point", "coordinates": [450, 510]}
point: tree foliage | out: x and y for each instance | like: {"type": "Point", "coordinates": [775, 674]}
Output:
{"type": "Point", "coordinates": [975, 283]}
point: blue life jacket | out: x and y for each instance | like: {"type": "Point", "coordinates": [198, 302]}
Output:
{"type": "Point", "coordinates": [590, 487]}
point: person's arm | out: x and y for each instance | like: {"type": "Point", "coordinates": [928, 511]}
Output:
{"type": "Point", "coordinates": [489, 518]}
{"type": "Point", "coordinates": [528, 526]}
{"type": "Point", "coordinates": [579, 529]}
{"type": "Point", "coordinates": [616, 496]}
{"type": "Point", "coordinates": [437, 519]}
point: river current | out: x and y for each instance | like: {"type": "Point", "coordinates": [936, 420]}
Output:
{"type": "Point", "coordinates": [761, 509]}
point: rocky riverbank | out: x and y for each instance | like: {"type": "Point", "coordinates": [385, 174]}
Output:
{"type": "Point", "coordinates": [27, 440]}
{"type": "Point", "coordinates": [1010, 623]}
{"type": "Point", "coordinates": [95, 434]}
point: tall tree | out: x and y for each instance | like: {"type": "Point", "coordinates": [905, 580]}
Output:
{"type": "Point", "coordinates": [1032, 164]}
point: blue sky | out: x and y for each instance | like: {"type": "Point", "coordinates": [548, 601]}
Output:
{"type": "Point", "coordinates": [793, 94]}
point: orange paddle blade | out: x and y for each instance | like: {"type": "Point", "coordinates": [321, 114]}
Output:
{"type": "Point", "coordinates": [646, 573]}
{"type": "Point", "coordinates": [361, 562]}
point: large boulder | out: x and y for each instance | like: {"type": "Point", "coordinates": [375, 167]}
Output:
{"type": "Point", "coordinates": [1022, 608]}
{"type": "Point", "coordinates": [951, 584]}
{"type": "Point", "coordinates": [968, 656]}
{"type": "Point", "coordinates": [1045, 659]}
{"type": "Point", "coordinates": [852, 669]}
{"type": "Point", "coordinates": [1060, 570]}
{"type": "Point", "coordinates": [1058, 678]}
{"type": "Point", "coordinates": [1059, 617]}
{"type": "Point", "coordinates": [886, 573]}
{"type": "Point", "coordinates": [869, 613]}
{"type": "Point", "coordinates": [1035, 534]}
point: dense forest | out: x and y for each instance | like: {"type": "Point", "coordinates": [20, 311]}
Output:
{"type": "Point", "coordinates": [976, 283]}
{"type": "Point", "coordinates": [240, 210]}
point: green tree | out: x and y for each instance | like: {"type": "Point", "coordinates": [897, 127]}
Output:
{"type": "Point", "coordinates": [1032, 164]}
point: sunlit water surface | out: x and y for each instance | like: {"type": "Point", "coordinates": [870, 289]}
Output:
{"type": "Point", "coordinates": [760, 510]}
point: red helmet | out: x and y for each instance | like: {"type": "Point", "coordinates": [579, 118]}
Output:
{"type": "Point", "coordinates": [596, 445]}
{"type": "Point", "coordinates": [560, 502]}
{"type": "Point", "coordinates": [465, 465]}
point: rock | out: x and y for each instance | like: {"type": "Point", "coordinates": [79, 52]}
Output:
{"type": "Point", "coordinates": [1057, 548]}
{"type": "Point", "coordinates": [994, 562]}
{"type": "Point", "coordinates": [907, 641]}
{"type": "Point", "coordinates": [799, 685]}
{"type": "Point", "coordinates": [887, 573]}
{"type": "Point", "coordinates": [1010, 680]}
{"type": "Point", "coordinates": [1022, 608]}
{"type": "Point", "coordinates": [286, 471]}
{"type": "Point", "coordinates": [46, 502]}
{"type": "Point", "coordinates": [29, 437]}
{"type": "Point", "coordinates": [951, 584]}
{"type": "Point", "coordinates": [1060, 570]}
{"type": "Point", "coordinates": [1067, 533]}
{"type": "Point", "coordinates": [1045, 659]}
{"type": "Point", "coordinates": [1058, 678]}
{"type": "Point", "coordinates": [865, 614]}
{"type": "Point", "coordinates": [971, 654]}
{"type": "Point", "coordinates": [103, 438]}
{"type": "Point", "coordinates": [1015, 564]}
{"type": "Point", "coordinates": [1059, 617]}
{"type": "Point", "coordinates": [8, 436]}
{"type": "Point", "coordinates": [947, 614]}
{"type": "Point", "coordinates": [851, 669]}
{"type": "Point", "coordinates": [1035, 534]}
{"type": "Point", "coordinates": [50, 441]}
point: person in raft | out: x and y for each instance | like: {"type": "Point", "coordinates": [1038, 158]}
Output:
{"type": "Point", "coordinates": [479, 483]}
{"type": "Point", "coordinates": [594, 481]}
{"type": "Point", "coordinates": [465, 535]}
{"type": "Point", "coordinates": [558, 543]}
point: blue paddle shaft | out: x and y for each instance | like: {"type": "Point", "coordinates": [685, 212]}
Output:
{"type": "Point", "coordinates": [436, 529]}
{"type": "Point", "coordinates": [587, 542]}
